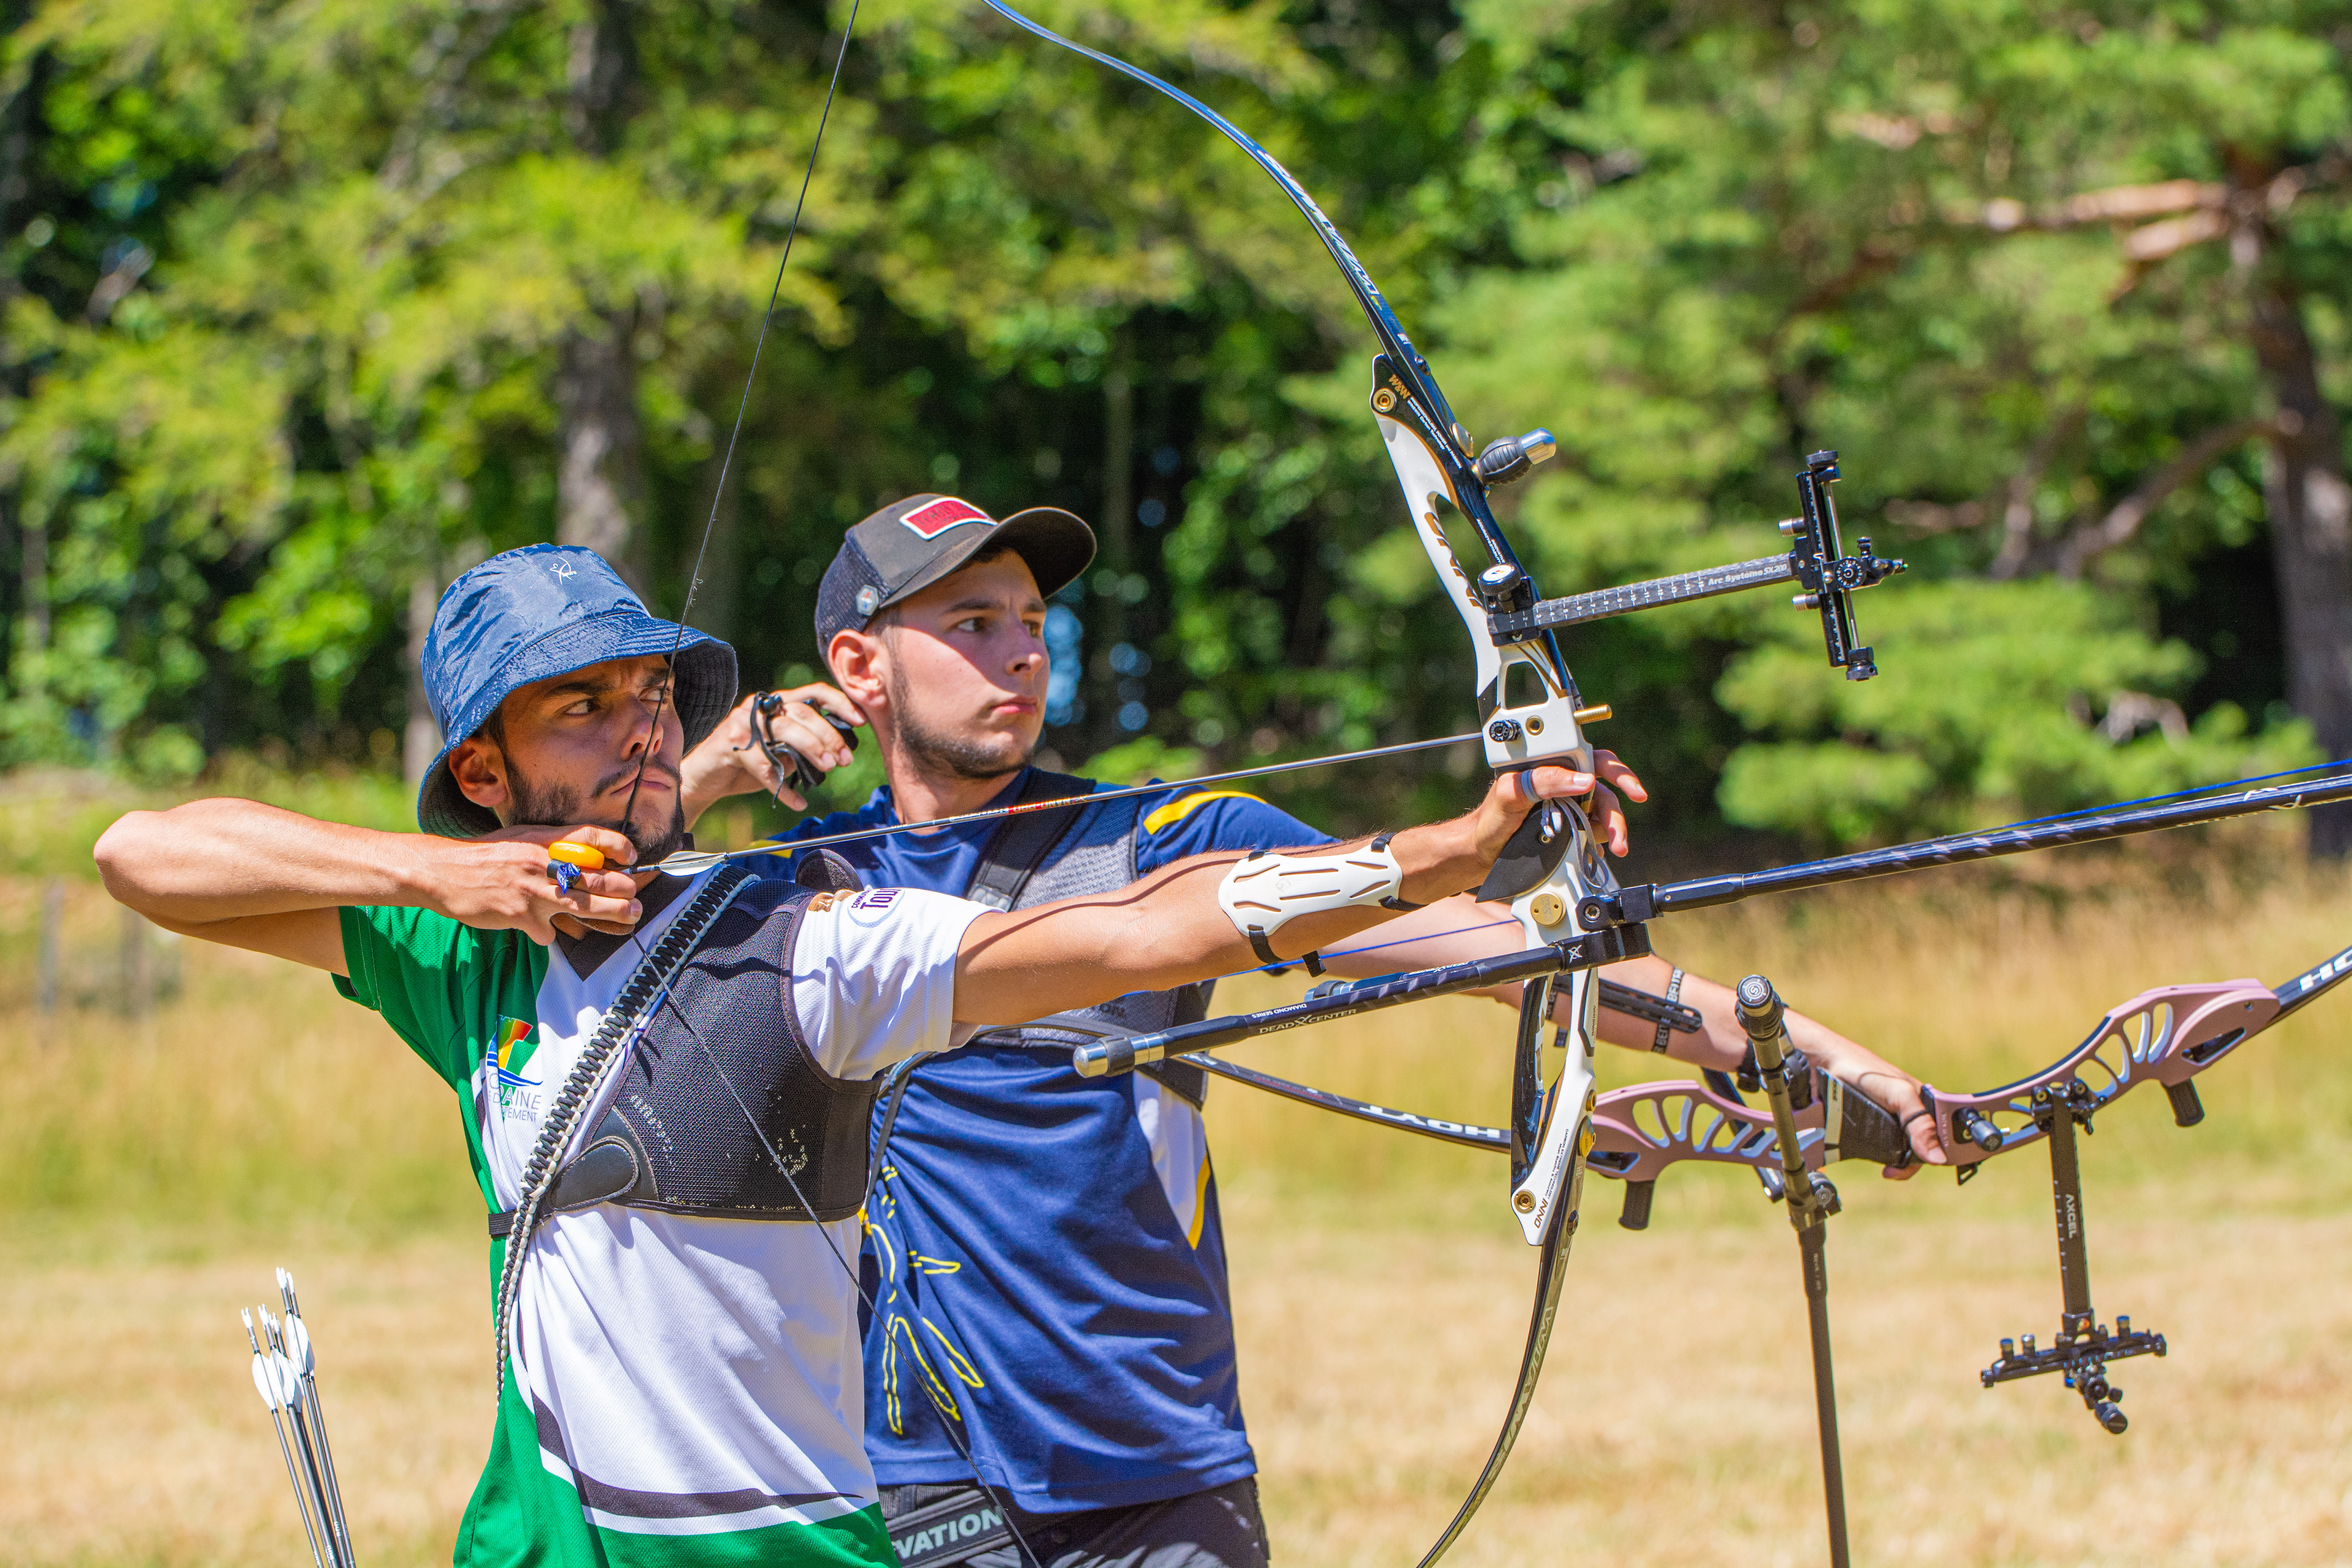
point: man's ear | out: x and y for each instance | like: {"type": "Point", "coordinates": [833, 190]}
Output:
{"type": "Point", "coordinates": [860, 662]}
{"type": "Point", "coordinates": [480, 770]}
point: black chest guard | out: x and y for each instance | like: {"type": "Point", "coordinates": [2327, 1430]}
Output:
{"type": "Point", "coordinates": [722, 1109]}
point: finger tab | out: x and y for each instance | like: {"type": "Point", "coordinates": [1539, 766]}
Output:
{"type": "Point", "coordinates": [585, 855]}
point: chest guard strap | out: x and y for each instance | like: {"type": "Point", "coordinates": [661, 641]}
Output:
{"type": "Point", "coordinates": [723, 1109]}
{"type": "Point", "coordinates": [1022, 844]}
{"type": "Point", "coordinates": [1015, 852]}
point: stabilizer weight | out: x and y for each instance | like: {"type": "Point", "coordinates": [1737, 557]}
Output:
{"type": "Point", "coordinates": [1638, 1198]}
{"type": "Point", "coordinates": [2083, 1346]}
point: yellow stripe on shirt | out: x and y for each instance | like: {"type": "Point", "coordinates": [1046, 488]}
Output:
{"type": "Point", "coordinates": [1199, 1203]}
{"type": "Point", "coordinates": [1176, 811]}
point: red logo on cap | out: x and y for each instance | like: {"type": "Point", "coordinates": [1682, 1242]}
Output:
{"type": "Point", "coordinates": [930, 521]}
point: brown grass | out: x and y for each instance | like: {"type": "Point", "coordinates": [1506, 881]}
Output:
{"type": "Point", "coordinates": [152, 1173]}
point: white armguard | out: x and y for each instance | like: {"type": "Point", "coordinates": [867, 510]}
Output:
{"type": "Point", "coordinates": [1262, 893]}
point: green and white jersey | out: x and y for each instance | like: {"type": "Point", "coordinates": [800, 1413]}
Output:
{"type": "Point", "coordinates": [682, 1390]}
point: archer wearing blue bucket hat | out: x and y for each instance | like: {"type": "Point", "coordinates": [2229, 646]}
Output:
{"type": "Point", "coordinates": [531, 615]}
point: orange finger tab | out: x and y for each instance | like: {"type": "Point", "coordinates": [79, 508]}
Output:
{"type": "Point", "coordinates": [587, 856]}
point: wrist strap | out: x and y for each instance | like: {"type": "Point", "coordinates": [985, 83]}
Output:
{"type": "Point", "coordinates": [1274, 963]}
{"type": "Point", "coordinates": [1666, 1027]}
{"type": "Point", "coordinates": [1379, 843]}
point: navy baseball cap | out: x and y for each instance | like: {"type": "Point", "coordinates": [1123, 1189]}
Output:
{"type": "Point", "coordinates": [531, 615]}
{"type": "Point", "coordinates": [910, 544]}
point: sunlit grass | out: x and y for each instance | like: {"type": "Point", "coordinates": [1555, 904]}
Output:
{"type": "Point", "coordinates": [153, 1172]}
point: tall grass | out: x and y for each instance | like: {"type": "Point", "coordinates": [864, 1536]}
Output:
{"type": "Point", "coordinates": [258, 1095]}
{"type": "Point", "coordinates": [152, 1170]}
{"type": "Point", "coordinates": [1968, 977]}
{"type": "Point", "coordinates": [254, 1099]}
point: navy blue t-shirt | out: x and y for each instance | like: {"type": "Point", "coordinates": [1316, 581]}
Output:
{"type": "Point", "coordinates": [1044, 1249]}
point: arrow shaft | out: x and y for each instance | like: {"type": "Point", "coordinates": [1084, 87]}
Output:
{"type": "Point", "coordinates": [1706, 892]}
{"type": "Point", "coordinates": [694, 861]}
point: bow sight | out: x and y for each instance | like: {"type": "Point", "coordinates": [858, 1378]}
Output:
{"type": "Point", "coordinates": [1828, 577]}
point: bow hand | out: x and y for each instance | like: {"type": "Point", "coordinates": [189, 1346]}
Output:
{"type": "Point", "coordinates": [777, 744]}
{"type": "Point", "coordinates": [506, 881]}
{"type": "Point", "coordinates": [1894, 1090]}
{"type": "Point", "coordinates": [1514, 796]}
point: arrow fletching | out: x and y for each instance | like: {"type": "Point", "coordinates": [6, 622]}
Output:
{"type": "Point", "coordinates": [289, 1382]}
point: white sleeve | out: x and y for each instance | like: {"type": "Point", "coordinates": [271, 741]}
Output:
{"type": "Point", "coordinates": [874, 977]}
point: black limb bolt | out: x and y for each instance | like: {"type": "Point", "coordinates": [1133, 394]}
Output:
{"type": "Point", "coordinates": [1638, 1196]}
{"type": "Point", "coordinates": [1511, 458]}
{"type": "Point", "coordinates": [2188, 1110]}
{"type": "Point", "coordinates": [1979, 1130]}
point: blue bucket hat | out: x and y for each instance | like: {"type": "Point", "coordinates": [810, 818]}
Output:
{"type": "Point", "coordinates": [531, 615]}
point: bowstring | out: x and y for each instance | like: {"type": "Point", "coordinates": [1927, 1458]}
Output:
{"type": "Point", "coordinates": [694, 583]}
{"type": "Point", "coordinates": [742, 405]}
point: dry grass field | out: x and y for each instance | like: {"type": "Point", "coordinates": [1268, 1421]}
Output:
{"type": "Point", "coordinates": [153, 1172]}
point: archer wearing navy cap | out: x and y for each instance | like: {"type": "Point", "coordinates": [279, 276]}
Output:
{"type": "Point", "coordinates": [908, 545]}
{"type": "Point", "coordinates": [1049, 1253]}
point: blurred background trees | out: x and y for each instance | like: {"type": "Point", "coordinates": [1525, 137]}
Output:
{"type": "Point", "coordinates": [305, 308]}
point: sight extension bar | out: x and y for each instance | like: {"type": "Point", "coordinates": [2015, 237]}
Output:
{"type": "Point", "coordinates": [1816, 562]}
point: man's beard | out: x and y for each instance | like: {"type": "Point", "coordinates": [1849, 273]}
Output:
{"type": "Point", "coordinates": [959, 756]}
{"type": "Point", "coordinates": [559, 806]}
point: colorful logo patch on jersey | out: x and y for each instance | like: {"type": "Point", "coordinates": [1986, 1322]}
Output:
{"type": "Point", "coordinates": [930, 521]}
{"type": "Point", "coordinates": [514, 1053]}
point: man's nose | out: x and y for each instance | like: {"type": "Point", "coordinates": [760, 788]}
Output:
{"type": "Point", "coordinates": [642, 732]}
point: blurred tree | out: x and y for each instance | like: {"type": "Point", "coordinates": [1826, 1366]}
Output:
{"type": "Point", "coordinates": [308, 309]}
{"type": "Point", "coordinates": [1886, 227]}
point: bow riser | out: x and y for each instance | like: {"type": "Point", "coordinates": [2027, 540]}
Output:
{"type": "Point", "coordinates": [1550, 1128]}
{"type": "Point", "coordinates": [1641, 1131]}
{"type": "Point", "coordinates": [1542, 728]}
{"type": "Point", "coordinates": [2168, 1035]}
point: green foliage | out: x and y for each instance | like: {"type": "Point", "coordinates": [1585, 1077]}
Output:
{"type": "Point", "coordinates": [287, 291]}
{"type": "Point", "coordinates": [2014, 698]}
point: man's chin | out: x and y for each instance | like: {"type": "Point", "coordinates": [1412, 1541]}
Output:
{"type": "Point", "coordinates": [1015, 746]}
{"type": "Point", "coordinates": [999, 762]}
{"type": "Point", "coordinates": [657, 844]}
